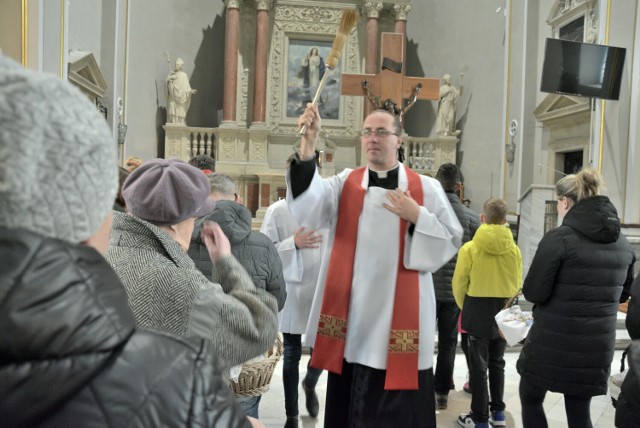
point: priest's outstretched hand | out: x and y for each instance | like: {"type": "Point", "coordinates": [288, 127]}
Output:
{"type": "Point", "coordinates": [403, 205]}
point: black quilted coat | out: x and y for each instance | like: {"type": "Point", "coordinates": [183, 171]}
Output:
{"type": "Point", "coordinates": [470, 222]}
{"type": "Point", "coordinates": [70, 354]}
{"type": "Point", "coordinates": [576, 280]}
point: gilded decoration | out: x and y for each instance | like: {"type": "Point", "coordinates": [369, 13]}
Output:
{"type": "Point", "coordinates": [333, 327]}
{"type": "Point", "coordinates": [404, 341]}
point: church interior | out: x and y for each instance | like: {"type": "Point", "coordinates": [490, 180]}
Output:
{"type": "Point", "coordinates": [243, 57]}
{"type": "Point", "coordinates": [509, 138]}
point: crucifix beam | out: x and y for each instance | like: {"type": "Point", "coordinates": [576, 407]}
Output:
{"type": "Point", "coordinates": [391, 83]}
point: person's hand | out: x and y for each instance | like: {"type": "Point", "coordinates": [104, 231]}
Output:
{"type": "Point", "coordinates": [194, 91]}
{"type": "Point", "coordinates": [311, 119]}
{"type": "Point", "coordinates": [306, 238]}
{"type": "Point", "coordinates": [403, 205]}
{"type": "Point", "coordinates": [215, 240]}
{"type": "Point", "coordinates": [255, 423]}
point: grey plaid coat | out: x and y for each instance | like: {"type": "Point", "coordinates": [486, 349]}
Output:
{"type": "Point", "coordinates": [166, 291]}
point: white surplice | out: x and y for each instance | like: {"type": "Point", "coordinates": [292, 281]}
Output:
{"type": "Point", "coordinates": [436, 238]}
{"type": "Point", "coordinates": [300, 267]}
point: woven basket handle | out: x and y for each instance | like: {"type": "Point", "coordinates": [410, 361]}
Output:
{"type": "Point", "coordinates": [512, 299]}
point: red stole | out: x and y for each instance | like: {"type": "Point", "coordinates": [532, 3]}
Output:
{"type": "Point", "coordinates": [328, 352]}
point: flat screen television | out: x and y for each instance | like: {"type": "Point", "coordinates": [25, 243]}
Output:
{"type": "Point", "coordinates": [583, 69]}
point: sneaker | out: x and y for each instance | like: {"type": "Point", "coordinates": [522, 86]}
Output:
{"type": "Point", "coordinates": [292, 422]}
{"type": "Point", "coordinates": [497, 419]}
{"type": "Point", "coordinates": [466, 421]}
{"type": "Point", "coordinates": [466, 388]}
{"type": "Point", "coordinates": [441, 401]}
{"type": "Point", "coordinates": [311, 400]}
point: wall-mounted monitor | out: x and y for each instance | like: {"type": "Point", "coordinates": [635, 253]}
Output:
{"type": "Point", "coordinates": [583, 69]}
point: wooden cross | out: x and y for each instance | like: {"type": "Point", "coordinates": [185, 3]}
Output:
{"type": "Point", "coordinates": [391, 83]}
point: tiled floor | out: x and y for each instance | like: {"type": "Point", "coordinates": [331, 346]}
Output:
{"type": "Point", "coordinates": [602, 412]}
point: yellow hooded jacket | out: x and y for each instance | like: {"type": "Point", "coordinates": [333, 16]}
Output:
{"type": "Point", "coordinates": [490, 265]}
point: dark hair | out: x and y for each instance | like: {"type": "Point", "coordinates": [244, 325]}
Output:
{"type": "Point", "coordinates": [584, 184]}
{"type": "Point", "coordinates": [396, 119]}
{"type": "Point", "coordinates": [449, 176]}
{"type": "Point", "coordinates": [203, 162]}
{"type": "Point", "coordinates": [495, 211]}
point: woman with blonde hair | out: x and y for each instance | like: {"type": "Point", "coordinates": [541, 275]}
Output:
{"type": "Point", "coordinates": [580, 273]}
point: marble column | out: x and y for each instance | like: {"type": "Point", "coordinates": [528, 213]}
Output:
{"type": "Point", "coordinates": [262, 45]}
{"type": "Point", "coordinates": [372, 11]}
{"type": "Point", "coordinates": [231, 60]}
{"type": "Point", "coordinates": [401, 11]}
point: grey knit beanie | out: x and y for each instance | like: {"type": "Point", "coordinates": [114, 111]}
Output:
{"type": "Point", "coordinates": [58, 168]}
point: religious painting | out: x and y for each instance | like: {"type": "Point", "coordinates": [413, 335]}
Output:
{"type": "Point", "coordinates": [306, 67]}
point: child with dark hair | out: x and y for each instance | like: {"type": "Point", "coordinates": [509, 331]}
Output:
{"type": "Point", "coordinates": [204, 162]}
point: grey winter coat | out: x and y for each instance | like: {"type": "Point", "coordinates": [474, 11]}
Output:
{"type": "Point", "coordinates": [254, 250]}
{"type": "Point", "coordinates": [71, 354]}
{"type": "Point", "coordinates": [166, 291]}
{"type": "Point", "coordinates": [470, 222]}
{"type": "Point", "coordinates": [576, 280]}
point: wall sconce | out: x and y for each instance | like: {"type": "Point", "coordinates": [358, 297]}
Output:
{"type": "Point", "coordinates": [510, 147]}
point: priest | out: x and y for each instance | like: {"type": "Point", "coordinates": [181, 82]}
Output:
{"type": "Point", "coordinates": [372, 322]}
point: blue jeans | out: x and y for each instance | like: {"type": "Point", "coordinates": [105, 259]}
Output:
{"type": "Point", "coordinates": [249, 405]}
{"type": "Point", "coordinates": [447, 314]}
{"type": "Point", "coordinates": [290, 375]}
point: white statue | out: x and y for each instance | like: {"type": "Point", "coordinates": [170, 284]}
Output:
{"type": "Point", "coordinates": [178, 92]}
{"type": "Point", "coordinates": [449, 95]}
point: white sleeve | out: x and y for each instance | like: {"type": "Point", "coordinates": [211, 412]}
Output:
{"type": "Point", "coordinates": [317, 206]}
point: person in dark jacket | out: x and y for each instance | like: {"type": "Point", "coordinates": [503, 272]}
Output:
{"type": "Point", "coordinates": [447, 311]}
{"type": "Point", "coordinates": [254, 251]}
{"type": "Point", "coordinates": [576, 281]}
{"type": "Point", "coordinates": [628, 405]}
{"type": "Point", "coordinates": [70, 352]}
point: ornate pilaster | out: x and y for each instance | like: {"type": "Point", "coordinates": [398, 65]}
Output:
{"type": "Point", "coordinates": [262, 45]}
{"type": "Point", "coordinates": [372, 11]}
{"type": "Point", "coordinates": [401, 11]}
{"type": "Point", "coordinates": [231, 60]}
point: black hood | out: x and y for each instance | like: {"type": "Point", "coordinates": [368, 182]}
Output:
{"type": "Point", "coordinates": [63, 313]}
{"type": "Point", "coordinates": [596, 218]}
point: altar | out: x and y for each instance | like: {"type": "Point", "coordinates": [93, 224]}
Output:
{"type": "Point", "coordinates": [271, 49]}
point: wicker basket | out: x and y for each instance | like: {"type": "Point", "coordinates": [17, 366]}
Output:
{"type": "Point", "coordinates": [255, 376]}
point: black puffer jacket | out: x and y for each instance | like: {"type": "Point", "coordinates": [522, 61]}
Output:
{"type": "Point", "coordinates": [628, 406]}
{"type": "Point", "coordinates": [254, 250]}
{"type": "Point", "coordinates": [470, 222]}
{"type": "Point", "coordinates": [70, 354]}
{"type": "Point", "coordinates": [576, 280]}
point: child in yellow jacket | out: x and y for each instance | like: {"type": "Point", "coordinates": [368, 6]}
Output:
{"type": "Point", "coordinates": [488, 271]}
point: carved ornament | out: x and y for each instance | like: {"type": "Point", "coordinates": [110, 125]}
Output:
{"type": "Point", "coordinates": [401, 11]}
{"type": "Point", "coordinates": [372, 9]}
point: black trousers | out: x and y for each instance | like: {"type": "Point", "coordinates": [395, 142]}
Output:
{"type": "Point", "coordinates": [486, 355]}
{"type": "Point", "coordinates": [447, 315]}
{"type": "Point", "coordinates": [357, 399]}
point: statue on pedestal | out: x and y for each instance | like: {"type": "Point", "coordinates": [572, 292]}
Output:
{"type": "Point", "coordinates": [449, 95]}
{"type": "Point", "coordinates": [178, 92]}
